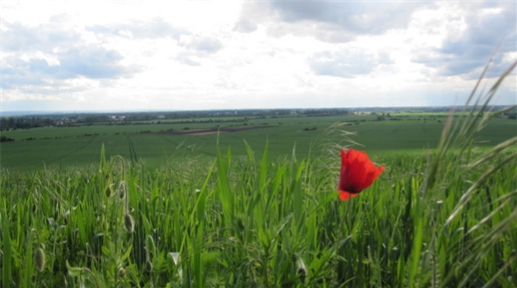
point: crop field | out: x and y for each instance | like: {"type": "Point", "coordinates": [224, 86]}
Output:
{"type": "Point", "coordinates": [154, 205]}
{"type": "Point", "coordinates": [150, 144]}
{"type": "Point", "coordinates": [248, 221]}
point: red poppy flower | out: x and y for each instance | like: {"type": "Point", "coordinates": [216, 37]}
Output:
{"type": "Point", "coordinates": [357, 173]}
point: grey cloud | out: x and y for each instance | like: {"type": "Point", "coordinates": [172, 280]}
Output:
{"type": "Point", "coordinates": [346, 63]}
{"type": "Point", "coordinates": [252, 13]}
{"type": "Point", "coordinates": [202, 44]}
{"type": "Point", "coordinates": [321, 31]}
{"type": "Point", "coordinates": [44, 37]}
{"type": "Point", "coordinates": [355, 16]}
{"type": "Point", "coordinates": [384, 58]}
{"type": "Point", "coordinates": [486, 30]}
{"type": "Point", "coordinates": [466, 53]}
{"type": "Point", "coordinates": [88, 62]}
{"type": "Point", "coordinates": [157, 28]}
{"type": "Point", "coordinates": [73, 59]}
{"type": "Point", "coordinates": [95, 63]}
{"type": "Point", "coordinates": [467, 59]}
{"type": "Point", "coordinates": [245, 26]}
{"type": "Point", "coordinates": [20, 75]}
{"type": "Point", "coordinates": [332, 21]}
{"type": "Point", "coordinates": [42, 67]}
{"type": "Point", "coordinates": [60, 18]}
{"type": "Point", "coordinates": [210, 45]}
{"type": "Point", "coordinates": [187, 58]}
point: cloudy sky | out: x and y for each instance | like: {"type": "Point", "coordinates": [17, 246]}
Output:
{"type": "Point", "coordinates": [184, 55]}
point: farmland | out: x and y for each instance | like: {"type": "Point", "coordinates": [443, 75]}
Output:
{"type": "Point", "coordinates": [150, 144]}
{"type": "Point", "coordinates": [258, 207]}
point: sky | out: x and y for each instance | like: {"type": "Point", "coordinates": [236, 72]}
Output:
{"type": "Point", "coordinates": [203, 55]}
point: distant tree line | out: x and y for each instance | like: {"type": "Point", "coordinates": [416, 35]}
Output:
{"type": "Point", "coordinates": [235, 115]}
{"type": "Point", "coordinates": [5, 139]}
{"type": "Point", "coordinates": [324, 112]}
{"type": "Point", "coordinates": [94, 118]}
{"type": "Point", "coordinates": [24, 122]}
{"type": "Point", "coordinates": [228, 113]}
{"type": "Point", "coordinates": [161, 117]}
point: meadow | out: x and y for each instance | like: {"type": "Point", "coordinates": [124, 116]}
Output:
{"type": "Point", "coordinates": [252, 209]}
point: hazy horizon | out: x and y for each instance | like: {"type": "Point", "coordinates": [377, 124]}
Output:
{"type": "Point", "coordinates": [190, 55]}
{"type": "Point", "coordinates": [360, 108]}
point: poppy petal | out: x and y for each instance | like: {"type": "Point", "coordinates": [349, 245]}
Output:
{"type": "Point", "coordinates": [357, 173]}
{"type": "Point", "coordinates": [346, 195]}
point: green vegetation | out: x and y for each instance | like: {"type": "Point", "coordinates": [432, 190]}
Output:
{"type": "Point", "coordinates": [444, 218]}
{"type": "Point", "coordinates": [79, 146]}
{"type": "Point", "coordinates": [251, 222]}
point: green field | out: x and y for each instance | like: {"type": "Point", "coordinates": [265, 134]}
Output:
{"type": "Point", "coordinates": [244, 221]}
{"type": "Point", "coordinates": [128, 207]}
{"type": "Point", "coordinates": [79, 146]}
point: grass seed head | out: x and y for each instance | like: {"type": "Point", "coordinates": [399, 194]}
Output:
{"type": "Point", "coordinates": [109, 190]}
{"type": "Point", "coordinates": [121, 272]}
{"type": "Point", "coordinates": [301, 269]}
{"type": "Point", "coordinates": [122, 190]}
{"type": "Point", "coordinates": [129, 223]}
{"type": "Point", "coordinates": [149, 243]}
{"type": "Point", "coordinates": [39, 259]}
{"type": "Point", "coordinates": [148, 266]}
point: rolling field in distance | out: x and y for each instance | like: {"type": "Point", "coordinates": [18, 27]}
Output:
{"type": "Point", "coordinates": [79, 146]}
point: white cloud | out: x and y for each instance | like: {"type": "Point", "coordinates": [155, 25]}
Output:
{"type": "Point", "coordinates": [471, 39]}
{"type": "Point", "coordinates": [207, 55]}
{"type": "Point", "coordinates": [329, 21]}
{"type": "Point", "coordinates": [204, 44]}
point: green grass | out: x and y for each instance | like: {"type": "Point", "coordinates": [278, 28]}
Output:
{"type": "Point", "coordinates": [259, 223]}
{"type": "Point", "coordinates": [73, 149]}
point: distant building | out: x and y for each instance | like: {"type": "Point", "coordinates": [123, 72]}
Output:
{"type": "Point", "coordinates": [117, 118]}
